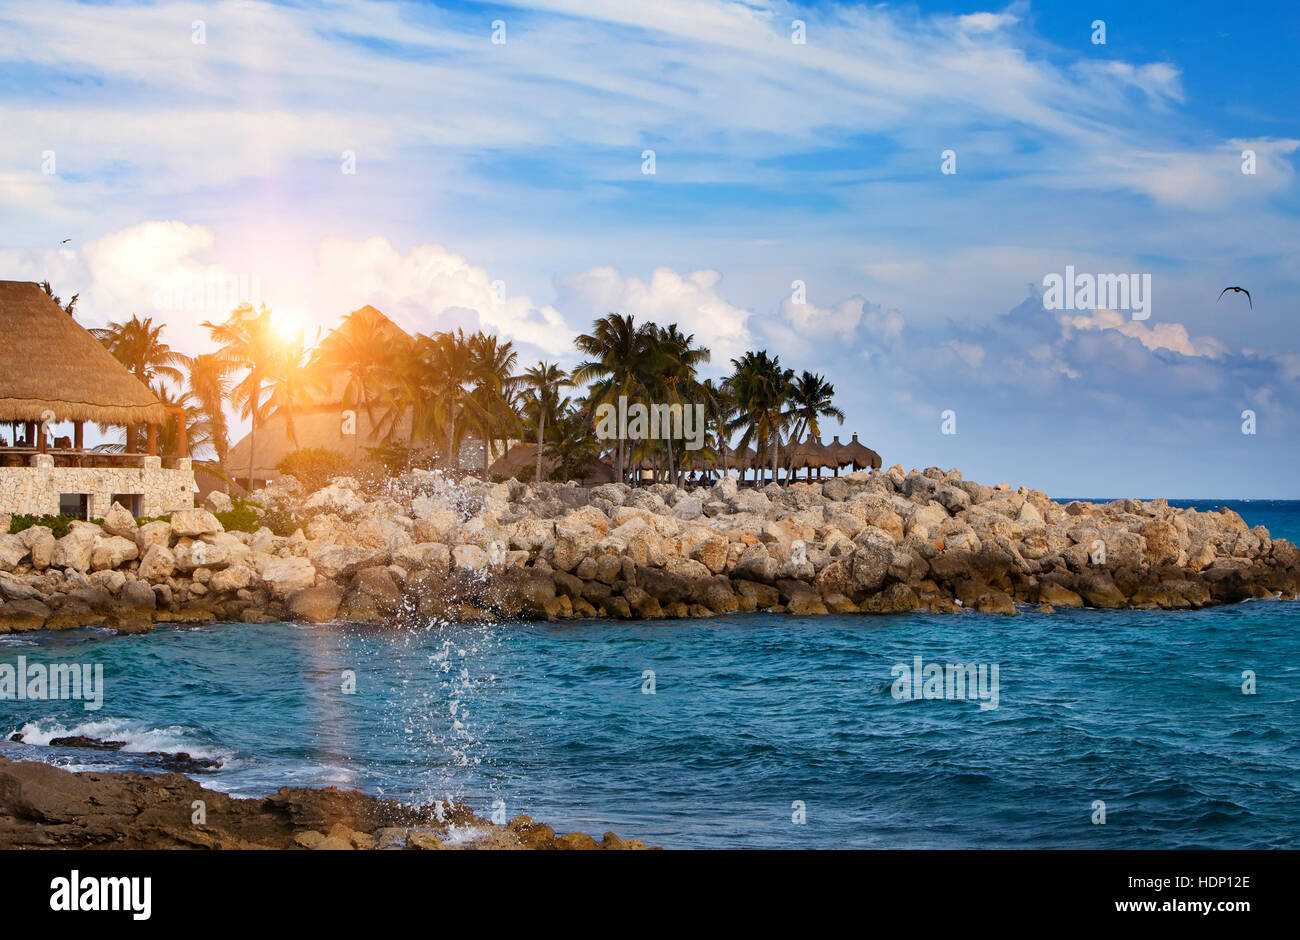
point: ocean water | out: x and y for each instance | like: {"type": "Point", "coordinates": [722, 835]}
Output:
{"type": "Point", "coordinates": [753, 719]}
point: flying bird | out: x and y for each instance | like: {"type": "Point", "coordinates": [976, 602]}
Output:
{"type": "Point", "coordinates": [1240, 290]}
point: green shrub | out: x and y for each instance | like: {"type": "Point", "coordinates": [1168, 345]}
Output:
{"type": "Point", "coordinates": [313, 467]}
{"type": "Point", "coordinates": [280, 521]}
{"type": "Point", "coordinates": [56, 524]}
{"type": "Point", "coordinates": [242, 516]}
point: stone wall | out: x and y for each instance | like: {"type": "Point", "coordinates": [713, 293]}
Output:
{"type": "Point", "coordinates": [35, 490]}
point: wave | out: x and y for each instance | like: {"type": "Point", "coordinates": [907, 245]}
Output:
{"type": "Point", "coordinates": [139, 736]}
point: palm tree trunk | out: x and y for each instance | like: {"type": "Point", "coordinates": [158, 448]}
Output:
{"type": "Point", "coordinates": [541, 436]}
{"type": "Point", "coordinates": [252, 449]}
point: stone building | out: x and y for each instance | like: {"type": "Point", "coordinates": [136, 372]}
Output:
{"type": "Point", "coordinates": [54, 377]}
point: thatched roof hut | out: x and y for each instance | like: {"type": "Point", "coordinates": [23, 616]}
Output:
{"type": "Point", "coordinates": [858, 455]}
{"type": "Point", "coordinates": [520, 462]}
{"type": "Point", "coordinates": [813, 453]}
{"type": "Point", "coordinates": [319, 422]}
{"type": "Point", "coordinates": [48, 362]}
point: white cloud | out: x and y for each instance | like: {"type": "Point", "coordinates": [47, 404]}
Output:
{"type": "Point", "coordinates": [986, 22]}
{"type": "Point", "coordinates": [692, 301]}
{"type": "Point", "coordinates": [1170, 336]}
{"type": "Point", "coordinates": [430, 288]}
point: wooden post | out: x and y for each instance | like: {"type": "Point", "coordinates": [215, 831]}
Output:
{"type": "Point", "coordinates": [130, 439]}
{"type": "Point", "coordinates": [182, 445]}
{"type": "Point", "coordinates": [153, 439]}
{"type": "Point", "coordinates": [78, 435]}
{"type": "Point", "coordinates": [40, 439]}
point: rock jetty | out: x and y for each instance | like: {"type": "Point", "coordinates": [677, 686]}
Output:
{"type": "Point", "coordinates": [45, 807]}
{"type": "Point", "coordinates": [423, 547]}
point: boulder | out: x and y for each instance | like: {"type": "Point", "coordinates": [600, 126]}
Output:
{"type": "Point", "coordinates": [40, 545]}
{"type": "Point", "coordinates": [24, 615]}
{"type": "Point", "coordinates": [285, 575]}
{"type": "Point", "coordinates": [1058, 595]}
{"type": "Point", "coordinates": [112, 551]}
{"type": "Point", "coordinates": [469, 558]}
{"type": "Point", "coordinates": [217, 501]}
{"type": "Point", "coordinates": [158, 564]}
{"type": "Point", "coordinates": [375, 586]}
{"type": "Point", "coordinates": [318, 604]}
{"type": "Point", "coordinates": [689, 508]}
{"type": "Point", "coordinates": [232, 578]}
{"type": "Point", "coordinates": [335, 562]}
{"type": "Point", "coordinates": [119, 521]}
{"type": "Point", "coordinates": [191, 523]}
{"type": "Point", "coordinates": [712, 553]}
{"type": "Point", "coordinates": [13, 552]}
{"type": "Point", "coordinates": [153, 533]}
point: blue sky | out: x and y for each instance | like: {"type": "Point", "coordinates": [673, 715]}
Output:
{"type": "Point", "coordinates": [500, 185]}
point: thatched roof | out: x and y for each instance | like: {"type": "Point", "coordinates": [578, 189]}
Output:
{"type": "Point", "coordinates": [50, 363]}
{"type": "Point", "coordinates": [520, 462]}
{"type": "Point", "coordinates": [813, 453]}
{"type": "Point", "coordinates": [857, 454]}
{"type": "Point", "coordinates": [320, 426]}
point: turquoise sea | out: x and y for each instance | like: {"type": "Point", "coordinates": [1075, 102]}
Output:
{"type": "Point", "coordinates": [754, 722]}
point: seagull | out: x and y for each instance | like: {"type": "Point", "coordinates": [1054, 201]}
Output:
{"type": "Point", "coordinates": [1240, 290]}
{"type": "Point", "coordinates": [65, 241]}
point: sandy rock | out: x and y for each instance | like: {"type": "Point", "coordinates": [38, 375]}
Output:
{"type": "Point", "coordinates": [284, 575]}
{"type": "Point", "coordinates": [233, 578]}
{"type": "Point", "coordinates": [119, 521]}
{"type": "Point", "coordinates": [23, 615]}
{"type": "Point", "coordinates": [191, 523]}
{"type": "Point", "coordinates": [158, 564]}
{"type": "Point", "coordinates": [334, 562]}
{"type": "Point", "coordinates": [315, 604]}
{"type": "Point", "coordinates": [112, 551]}
{"type": "Point", "coordinates": [40, 546]}
{"type": "Point", "coordinates": [153, 533]}
{"type": "Point", "coordinates": [13, 552]}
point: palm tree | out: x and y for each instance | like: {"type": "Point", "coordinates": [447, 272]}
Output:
{"type": "Point", "coordinates": [138, 345]}
{"type": "Point", "coordinates": [572, 446]}
{"type": "Point", "coordinates": [617, 351]}
{"type": "Point", "coordinates": [669, 371]}
{"type": "Point", "coordinates": [761, 388]}
{"type": "Point", "coordinates": [365, 349]}
{"type": "Point", "coordinates": [291, 383]}
{"type": "Point", "coordinates": [544, 382]}
{"type": "Point", "coordinates": [69, 308]}
{"type": "Point", "coordinates": [492, 365]}
{"type": "Point", "coordinates": [811, 397]}
{"type": "Point", "coordinates": [198, 427]}
{"type": "Point", "coordinates": [248, 342]}
{"type": "Point", "coordinates": [209, 388]}
{"type": "Point", "coordinates": [719, 405]}
{"type": "Point", "coordinates": [437, 384]}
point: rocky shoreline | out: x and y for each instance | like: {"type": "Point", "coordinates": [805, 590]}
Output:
{"type": "Point", "coordinates": [423, 547]}
{"type": "Point", "coordinates": [44, 807]}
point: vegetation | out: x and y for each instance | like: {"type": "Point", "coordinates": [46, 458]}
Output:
{"type": "Point", "coordinates": [242, 516]}
{"type": "Point", "coordinates": [419, 398]}
{"type": "Point", "coordinates": [313, 467]}
{"type": "Point", "coordinates": [59, 525]}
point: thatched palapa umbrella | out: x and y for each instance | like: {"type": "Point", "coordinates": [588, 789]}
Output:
{"type": "Point", "coordinates": [812, 453]}
{"type": "Point", "coordinates": [857, 455]}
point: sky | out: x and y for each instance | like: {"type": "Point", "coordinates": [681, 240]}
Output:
{"type": "Point", "coordinates": [879, 193]}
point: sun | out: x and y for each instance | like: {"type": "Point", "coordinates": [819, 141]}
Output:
{"type": "Point", "coordinates": [289, 324]}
